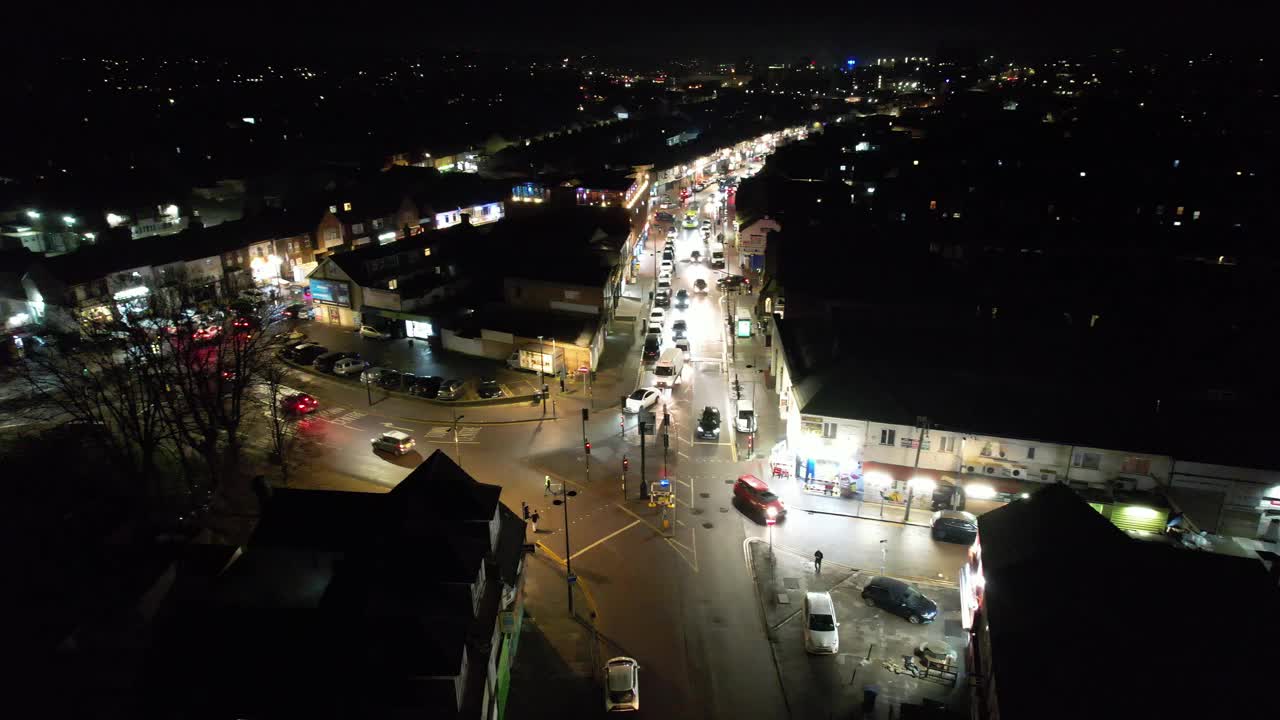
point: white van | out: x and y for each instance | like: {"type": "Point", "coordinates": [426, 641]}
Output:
{"type": "Point", "coordinates": [666, 372]}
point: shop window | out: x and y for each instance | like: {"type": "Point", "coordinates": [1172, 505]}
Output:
{"type": "Point", "coordinates": [1086, 460]}
{"type": "Point", "coordinates": [1031, 453]}
{"type": "Point", "coordinates": [829, 431]}
{"type": "Point", "coordinates": [888, 436]}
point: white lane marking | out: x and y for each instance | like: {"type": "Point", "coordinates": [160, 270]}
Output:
{"type": "Point", "coordinates": [610, 536]}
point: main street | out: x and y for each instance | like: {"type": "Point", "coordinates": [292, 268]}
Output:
{"type": "Point", "coordinates": [681, 600]}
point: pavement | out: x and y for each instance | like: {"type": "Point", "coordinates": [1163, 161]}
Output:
{"type": "Point", "coordinates": [873, 647]}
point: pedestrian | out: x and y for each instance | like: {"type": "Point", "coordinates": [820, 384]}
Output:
{"type": "Point", "coordinates": [561, 382]}
{"type": "Point", "coordinates": [524, 510]}
{"type": "Point", "coordinates": [817, 555]}
{"type": "Point", "coordinates": [546, 485]}
{"type": "Point", "coordinates": [534, 519]}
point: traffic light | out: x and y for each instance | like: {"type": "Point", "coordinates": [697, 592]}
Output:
{"type": "Point", "coordinates": [586, 446]}
{"type": "Point", "coordinates": [666, 440]}
{"type": "Point", "coordinates": [584, 414]}
{"type": "Point", "coordinates": [626, 464]}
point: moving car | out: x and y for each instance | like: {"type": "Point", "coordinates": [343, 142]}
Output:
{"type": "Point", "coordinates": [709, 424]}
{"type": "Point", "coordinates": [350, 366]}
{"type": "Point", "coordinates": [394, 442]}
{"type": "Point", "coordinates": [452, 389]}
{"type": "Point", "coordinates": [683, 344]}
{"type": "Point", "coordinates": [245, 323]}
{"type": "Point", "coordinates": [325, 362]}
{"type": "Point", "coordinates": [489, 388]}
{"type": "Point", "coordinates": [682, 298]}
{"type": "Point", "coordinates": [668, 255]}
{"type": "Point", "coordinates": [700, 285]}
{"type": "Point", "coordinates": [298, 311]}
{"type": "Point", "coordinates": [369, 331]}
{"type": "Point", "coordinates": [955, 525]}
{"type": "Point", "coordinates": [900, 599]}
{"type": "Point", "coordinates": [642, 399]}
{"type": "Point", "coordinates": [717, 259]}
{"type": "Point", "coordinates": [729, 281]}
{"type": "Point", "coordinates": [679, 327]}
{"type": "Point", "coordinates": [427, 386]}
{"type": "Point", "coordinates": [755, 493]}
{"type": "Point", "coordinates": [299, 404]}
{"type": "Point", "coordinates": [691, 223]}
{"type": "Point", "coordinates": [820, 625]}
{"type": "Point", "coordinates": [621, 685]}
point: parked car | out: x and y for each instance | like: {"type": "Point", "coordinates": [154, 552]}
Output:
{"type": "Point", "coordinates": [729, 281]}
{"type": "Point", "coordinates": [372, 375]}
{"type": "Point", "coordinates": [325, 362]}
{"type": "Point", "coordinates": [658, 315]}
{"type": "Point", "coordinates": [746, 422]}
{"type": "Point", "coordinates": [899, 598]}
{"type": "Point", "coordinates": [373, 333]}
{"type": "Point", "coordinates": [652, 347]}
{"type": "Point", "coordinates": [755, 493]}
{"type": "Point", "coordinates": [955, 525]}
{"type": "Point", "coordinates": [662, 299]}
{"type": "Point", "coordinates": [304, 353]}
{"type": "Point", "coordinates": [349, 366]}
{"type": "Point", "coordinates": [622, 685]}
{"type": "Point", "coordinates": [407, 380]}
{"type": "Point", "coordinates": [709, 423]}
{"type": "Point", "coordinates": [394, 442]}
{"type": "Point", "coordinates": [452, 389]}
{"type": "Point", "coordinates": [679, 327]}
{"type": "Point", "coordinates": [427, 386]}
{"type": "Point", "coordinates": [299, 404]}
{"type": "Point", "coordinates": [821, 635]}
{"type": "Point", "coordinates": [664, 283]}
{"type": "Point", "coordinates": [389, 379]}
{"type": "Point", "coordinates": [666, 267]}
{"type": "Point", "coordinates": [642, 399]}
{"type": "Point", "coordinates": [489, 388]}
{"type": "Point", "coordinates": [655, 327]}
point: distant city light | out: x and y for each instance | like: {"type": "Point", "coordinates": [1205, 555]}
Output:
{"type": "Point", "coordinates": [36, 216]}
{"type": "Point", "coordinates": [249, 120]}
{"type": "Point", "coordinates": [68, 220]}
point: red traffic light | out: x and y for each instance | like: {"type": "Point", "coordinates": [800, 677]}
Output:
{"type": "Point", "coordinates": [587, 447]}
{"type": "Point", "coordinates": [626, 463]}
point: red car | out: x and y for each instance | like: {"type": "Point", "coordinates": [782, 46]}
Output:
{"type": "Point", "coordinates": [755, 493]}
{"type": "Point", "coordinates": [301, 404]}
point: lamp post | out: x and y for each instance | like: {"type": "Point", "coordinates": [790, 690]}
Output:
{"type": "Point", "coordinates": [569, 577]}
{"type": "Point", "coordinates": [771, 519]}
{"type": "Point", "coordinates": [542, 355]}
{"type": "Point", "coordinates": [457, 448]}
{"type": "Point", "coordinates": [924, 433]}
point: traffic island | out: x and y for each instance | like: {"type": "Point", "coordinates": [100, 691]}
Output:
{"type": "Point", "coordinates": [874, 645]}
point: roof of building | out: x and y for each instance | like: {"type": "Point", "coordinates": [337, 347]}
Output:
{"type": "Point", "coordinates": [565, 328]}
{"type": "Point", "coordinates": [1065, 590]}
{"type": "Point", "coordinates": [438, 482]}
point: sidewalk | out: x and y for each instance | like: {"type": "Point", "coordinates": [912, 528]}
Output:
{"type": "Point", "coordinates": [799, 499]}
{"type": "Point", "coordinates": [553, 675]}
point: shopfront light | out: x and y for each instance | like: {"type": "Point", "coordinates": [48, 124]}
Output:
{"type": "Point", "coordinates": [980, 492]}
{"type": "Point", "coordinates": [876, 478]}
{"type": "Point", "coordinates": [923, 484]}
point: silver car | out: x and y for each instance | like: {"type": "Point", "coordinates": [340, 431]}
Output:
{"type": "Point", "coordinates": [622, 685]}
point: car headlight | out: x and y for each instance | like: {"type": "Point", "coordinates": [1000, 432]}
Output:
{"type": "Point", "coordinates": [700, 429]}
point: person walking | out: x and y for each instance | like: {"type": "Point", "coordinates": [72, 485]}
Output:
{"type": "Point", "coordinates": [534, 519]}
{"type": "Point", "coordinates": [561, 382]}
{"type": "Point", "coordinates": [524, 510]}
{"type": "Point", "coordinates": [546, 485]}
{"type": "Point", "coordinates": [817, 560]}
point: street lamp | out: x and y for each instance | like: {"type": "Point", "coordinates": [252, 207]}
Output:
{"type": "Point", "coordinates": [771, 519]}
{"type": "Point", "coordinates": [569, 577]}
{"type": "Point", "coordinates": [457, 449]}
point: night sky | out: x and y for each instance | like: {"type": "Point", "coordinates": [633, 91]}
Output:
{"type": "Point", "coordinates": [716, 30]}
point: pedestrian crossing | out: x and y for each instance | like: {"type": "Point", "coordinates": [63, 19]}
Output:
{"type": "Point", "coordinates": [467, 434]}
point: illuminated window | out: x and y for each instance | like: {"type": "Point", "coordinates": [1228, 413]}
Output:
{"type": "Point", "coordinates": [357, 228]}
{"type": "Point", "coordinates": [933, 204]}
{"type": "Point", "coordinates": [346, 207]}
{"type": "Point", "coordinates": [393, 284]}
{"type": "Point", "coordinates": [426, 252]}
{"type": "Point", "coordinates": [829, 430]}
{"type": "Point", "coordinates": [333, 208]}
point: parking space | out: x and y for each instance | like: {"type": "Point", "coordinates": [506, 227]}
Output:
{"type": "Point", "coordinates": [417, 357]}
{"type": "Point", "coordinates": [874, 645]}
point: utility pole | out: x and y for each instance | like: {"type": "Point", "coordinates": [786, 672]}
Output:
{"type": "Point", "coordinates": [642, 473]}
{"type": "Point", "coordinates": [586, 444]}
{"type": "Point", "coordinates": [542, 366]}
{"type": "Point", "coordinates": [923, 421]}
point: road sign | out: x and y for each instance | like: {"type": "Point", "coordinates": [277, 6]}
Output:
{"type": "Point", "coordinates": [649, 419]}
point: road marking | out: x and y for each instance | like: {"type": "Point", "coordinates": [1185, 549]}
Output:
{"type": "Point", "coordinates": [606, 538]}
{"type": "Point", "coordinates": [389, 426]}
{"type": "Point", "coordinates": [684, 484]}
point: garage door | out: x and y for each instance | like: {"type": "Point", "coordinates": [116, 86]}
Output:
{"type": "Point", "coordinates": [1202, 506]}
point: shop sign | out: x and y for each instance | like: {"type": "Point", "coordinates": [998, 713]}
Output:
{"type": "Point", "coordinates": [333, 292]}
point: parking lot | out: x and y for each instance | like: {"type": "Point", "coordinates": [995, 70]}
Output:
{"type": "Point", "coordinates": [873, 643]}
{"type": "Point", "coordinates": [417, 357]}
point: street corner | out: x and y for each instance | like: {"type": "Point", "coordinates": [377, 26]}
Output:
{"type": "Point", "coordinates": [783, 576]}
{"type": "Point", "coordinates": [676, 525]}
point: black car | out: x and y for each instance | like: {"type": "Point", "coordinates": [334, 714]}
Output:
{"type": "Point", "coordinates": [652, 346]}
{"type": "Point", "coordinates": [955, 525]}
{"type": "Point", "coordinates": [407, 381]}
{"type": "Point", "coordinates": [662, 298]}
{"type": "Point", "coordinates": [389, 379]}
{"type": "Point", "coordinates": [307, 354]}
{"type": "Point", "coordinates": [489, 388]}
{"type": "Point", "coordinates": [900, 599]}
{"type": "Point", "coordinates": [682, 298]}
{"type": "Point", "coordinates": [427, 387]}
{"type": "Point", "coordinates": [669, 254]}
{"type": "Point", "coordinates": [729, 281]}
{"type": "Point", "coordinates": [325, 362]}
{"type": "Point", "coordinates": [709, 423]}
